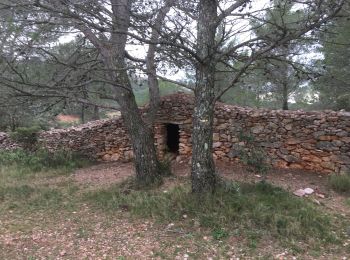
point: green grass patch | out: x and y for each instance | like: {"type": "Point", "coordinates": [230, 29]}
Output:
{"type": "Point", "coordinates": [347, 202]}
{"type": "Point", "coordinates": [255, 210]}
{"type": "Point", "coordinates": [340, 182]}
{"type": "Point", "coordinates": [41, 160]}
{"type": "Point", "coordinates": [32, 198]}
{"type": "Point", "coordinates": [25, 184]}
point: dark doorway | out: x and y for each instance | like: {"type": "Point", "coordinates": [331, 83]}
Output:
{"type": "Point", "coordinates": [173, 137]}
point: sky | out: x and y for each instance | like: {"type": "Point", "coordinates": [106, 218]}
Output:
{"type": "Point", "coordinates": [141, 50]}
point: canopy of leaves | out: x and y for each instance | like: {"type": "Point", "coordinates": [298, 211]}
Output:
{"type": "Point", "coordinates": [334, 84]}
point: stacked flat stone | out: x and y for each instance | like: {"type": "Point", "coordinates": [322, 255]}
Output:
{"type": "Point", "coordinates": [316, 141]}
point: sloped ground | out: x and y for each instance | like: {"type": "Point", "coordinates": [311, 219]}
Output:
{"type": "Point", "coordinates": [62, 228]}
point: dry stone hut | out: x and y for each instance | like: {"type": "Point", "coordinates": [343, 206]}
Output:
{"type": "Point", "coordinates": [317, 141]}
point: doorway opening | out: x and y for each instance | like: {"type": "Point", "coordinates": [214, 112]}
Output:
{"type": "Point", "coordinates": [173, 138]}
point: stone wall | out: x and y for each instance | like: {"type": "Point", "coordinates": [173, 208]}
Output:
{"type": "Point", "coordinates": [105, 140]}
{"type": "Point", "coordinates": [317, 141]}
{"type": "Point", "coordinates": [6, 143]}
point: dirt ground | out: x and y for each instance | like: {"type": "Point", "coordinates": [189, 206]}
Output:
{"type": "Point", "coordinates": [89, 234]}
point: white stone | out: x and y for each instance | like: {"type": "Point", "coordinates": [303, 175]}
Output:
{"type": "Point", "coordinates": [308, 191]}
{"type": "Point", "coordinates": [299, 193]}
{"type": "Point", "coordinates": [217, 144]}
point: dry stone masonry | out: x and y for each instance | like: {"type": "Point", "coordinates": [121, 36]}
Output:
{"type": "Point", "coordinates": [316, 141]}
{"type": "Point", "coordinates": [6, 143]}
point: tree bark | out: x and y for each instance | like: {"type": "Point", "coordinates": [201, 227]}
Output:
{"type": "Point", "coordinates": [285, 97]}
{"type": "Point", "coordinates": [113, 53]}
{"type": "Point", "coordinates": [153, 85]}
{"type": "Point", "coordinates": [203, 174]}
{"type": "Point", "coordinates": [82, 115]}
{"type": "Point", "coordinates": [96, 114]}
{"type": "Point", "coordinates": [145, 157]}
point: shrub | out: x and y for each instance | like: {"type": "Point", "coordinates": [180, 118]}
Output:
{"type": "Point", "coordinates": [252, 154]}
{"type": "Point", "coordinates": [27, 136]}
{"type": "Point", "coordinates": [165, 167]}
{"type": "Point", "coordinates": [340, 182]}
{"type": "Point", "coordinates": [256, 160]}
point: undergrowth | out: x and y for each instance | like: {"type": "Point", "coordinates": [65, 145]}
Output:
{"type": "Point", "coordinates": [27, 136]}
{"type": "Point", "coordinates": [35, 161]}
{"type": "Point", "coordinates": [340, 182]}
{"type": "Point", "coordinates": [260, 209]}
{"type": "Point", "coordinates": [252, 211]}
{"type": "Point", "coordinates": [34, 197]}
{"type": "Point", "coordinates": [24, 183]}
{"type": "Point", "coordinates": [253, 155]}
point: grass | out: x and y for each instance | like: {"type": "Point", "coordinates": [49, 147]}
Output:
{"type": "Point", "coordinates": [340, 182]}
{"type": "Point", "coordinates": [25, 162]}
{"type": "Point", "coordinates": [255, 210]}
{"type": "Point", "coordinates": [25, 179]}
{"type": "Point", "coordinates": [347, 202]}
{"type": "Point", "coordinates": [39, 184]}
{"type": "Point", "coordinates": [33, 198]}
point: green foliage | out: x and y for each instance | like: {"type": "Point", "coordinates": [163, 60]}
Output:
{"type": "Point", "coordinates": [165, 167]}
{"type": "Point", "coordinates": [242, 96]}
{"type": "Point", "coordinates": [141, 96]}
{"type": "Point", "coordinates": [256, 160]}
{"type": "Point", "coordinates": [340, 182]}
{"type": "Point", "coordinates": [333, 85]}
{"type": "Point", "coordinates": [41, 160]}
{"type": "Point", "coordinates": [270, 82]}
{"type": "Point", "coordinates": [165, 88]}
{"type": "Point", "coordinates": [252, 154]}
{"type": "Point", "coordinates": [219, 234]}
{"type": "Point", "coordinates": [260, 208]}
{"type": "Point", "coordinates": [27, 136]}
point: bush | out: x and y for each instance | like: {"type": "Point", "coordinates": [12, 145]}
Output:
{"type": "Point", "coordinates": [340, 182]}
{"type": "Point", "coordinates": [253, 155]}
{"type": "Point", "coordinates": [27, 136]}
{"type": "Point", "coordinates": [256, 160]}
{"type": "Point", "coordinates": [165, 167]}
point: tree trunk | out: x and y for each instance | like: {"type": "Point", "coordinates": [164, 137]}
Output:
{"type": "Point", "coordinates": [285, 104]}
{"type": "Point", "coordinates": [146, 161]}
{"type": "Point", "coordinates": [203, 174]}
{"type": "Point", "coordinates": [145, 157]}
{"type": "Point", "coordinates": [153, 85]}
{"type": "Point", "coordinates": [285, 97]}
{"type": "Point", "coordinates": [141, 136]}
{"type": "Point", "coordinates": [96, 114]}
{"type": "Point", "coordinates": [113, 56]}
{"type": "Point", "coordinates": [13, 123]}
{"type": "Point", "coordinates": [84, 106]}
{"type": "Point", "coordinates": [82, 115]}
